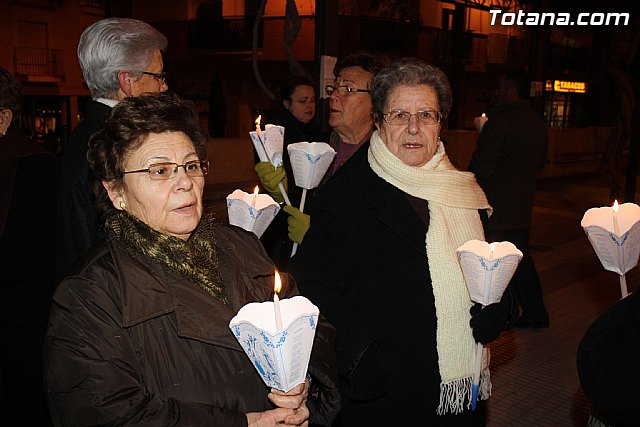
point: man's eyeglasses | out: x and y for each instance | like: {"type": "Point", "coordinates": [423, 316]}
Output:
{"type": "Point", "coordinates": [162, 77]}
{"type": "Point", "coordinates": [343, 90]}
{"type": "Point", "coordinates": [401, 117]}
{"type": "Point", "coordinates": [168, 170]}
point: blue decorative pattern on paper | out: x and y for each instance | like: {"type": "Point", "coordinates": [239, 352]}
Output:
{"type": "Point", "coordinates": [486, 267]}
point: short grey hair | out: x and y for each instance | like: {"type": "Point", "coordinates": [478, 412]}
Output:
{"type": "Point", "coordinates": [116, 44]}
{"type": "Point", "coordinates": [410, 72]}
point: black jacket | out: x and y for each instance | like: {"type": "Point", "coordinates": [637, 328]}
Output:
{"type": "Point", "coordinates": [77, 216]}
{"type": "Point", "coordinates": [363, 262]}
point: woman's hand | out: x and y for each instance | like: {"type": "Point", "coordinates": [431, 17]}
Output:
{"type": "Point", "coordinates": [295, 399]}
{"type": "Point", "coordinates": [271, 418]}
{"type": "Point", "coordinates": [292, 409]}
{"type": "Point", "coordinates": [270, 177]}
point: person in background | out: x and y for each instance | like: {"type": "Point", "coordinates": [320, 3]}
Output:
{"type": "Point", "coordinates": [298, 101]}
{"type": "Point", "coordinates": [28, 188]}
{"type": "Point", "coordinates": [380, 262]}
{"type": "Point", "coordinates": [511, 151]}
{"type": "Point", "coordinates": [351, 120]}
{"type": "Point", "coordinates": [119, 58]}
{"type": "Point", "coordinates": [139, 330]}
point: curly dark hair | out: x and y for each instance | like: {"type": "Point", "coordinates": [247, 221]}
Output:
{"type": "Point", "coordinates": [10, 93]}
{"type": "Point", "coordinates": [410, 72]}
{"type": "Point", "coordinates": [126, 129]}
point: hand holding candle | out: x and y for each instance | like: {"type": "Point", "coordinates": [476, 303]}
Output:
{"type": "Point", "coordinates": [487, 270]}
{"type": "Point", "coordinates": [310, 162]}
{"type": "Point", "coordinates": [277, 337]}
{"type": "Point", "coordinates": [268, 145]}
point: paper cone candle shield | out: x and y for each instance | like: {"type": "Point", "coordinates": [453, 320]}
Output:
{"type": "Point", "coordinates": [310, 161]}
{"type": "Point", "coordinates": [615, 236]}
{"type": "Point", "coordinates": [488, 268]}
{"type": "Point", "coordinates": [281, 358]}
{"type": "Point", "coordinates": [272, 141]}
{"type": "Point", "coordinates": [253, 212]}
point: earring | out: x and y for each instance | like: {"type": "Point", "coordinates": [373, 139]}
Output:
{"type": "Point", "coordinates": [123, 205]}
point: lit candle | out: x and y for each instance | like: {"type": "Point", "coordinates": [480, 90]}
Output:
{"type": "Point", "coordinates": [276, 302]}
{"type": "Point", "coordinates": [258, 130]}
{"type": "Point", "coordinates": [255, 195]}
{"type": "Point", "coordinates": [483, 115]}
{"type": "Point", "coordinates": [616, 227]}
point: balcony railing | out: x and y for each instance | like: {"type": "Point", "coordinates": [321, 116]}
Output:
{"type": "Point", "coordinates": [33, 61]}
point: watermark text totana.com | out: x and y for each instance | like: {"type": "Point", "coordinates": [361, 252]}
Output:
{"type": "Point", "coordinates": [560, 18]}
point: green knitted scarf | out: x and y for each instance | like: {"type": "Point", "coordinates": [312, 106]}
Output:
{"type": "Point", "coordinates": [194, 259]}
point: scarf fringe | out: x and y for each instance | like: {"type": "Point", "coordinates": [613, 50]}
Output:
{"type": "Point", "coordinates": [455, 396]}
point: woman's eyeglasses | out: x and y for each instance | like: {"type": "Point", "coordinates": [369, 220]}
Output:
{"type": "Point", "coordinates": [168, 170]}
{"type": "Point", "coordinates": [401, 117]}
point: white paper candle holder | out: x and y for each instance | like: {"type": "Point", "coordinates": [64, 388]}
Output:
{"type": "Point", "coordinates": [281, 358]}
{"type": "Point", "coordinates": [310, 162]}
{"type": "Point", "coordinates": [252, 212]}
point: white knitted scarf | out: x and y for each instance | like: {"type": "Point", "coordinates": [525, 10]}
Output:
{"type": "Point", "coordinates": [454, 199]}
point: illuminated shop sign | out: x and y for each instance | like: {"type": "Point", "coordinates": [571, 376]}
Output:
{"type": "Point", "coordinates": [566, 86]}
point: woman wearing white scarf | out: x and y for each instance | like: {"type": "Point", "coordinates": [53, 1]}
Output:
{"type": "Point", "coordinates": [379, 261]}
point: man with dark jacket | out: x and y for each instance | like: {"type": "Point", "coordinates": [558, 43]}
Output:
{"type": "Point", "coordinates": [119, 58]}
{"type": "Point", "coordinates": [511, 151]}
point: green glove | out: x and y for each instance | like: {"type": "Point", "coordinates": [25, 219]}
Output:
{"type": "Point", "coordinates": [298, 223]}
{"type": "Point", "coordinates": [270, 177]}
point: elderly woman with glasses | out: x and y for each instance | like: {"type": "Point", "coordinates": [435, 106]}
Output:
{"type": "Point", "coordinates": [380, 262]}
{"type": "Point", "coordinates": [139, 330]}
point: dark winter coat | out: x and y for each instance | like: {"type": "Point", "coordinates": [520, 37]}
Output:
{"type": "Point", "coordinates": [77, 216]}
{"type": "Point", "coordinates": [132, 343]}
{"type": "Point", "coordinates": [363, 262]}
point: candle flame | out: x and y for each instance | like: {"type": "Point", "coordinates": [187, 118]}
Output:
{"type": "Point", "coordinates": [615, 206]}
{"type": "Point", "coordinates": [484, 115]}
{"type": "Point", "coordinates": [255, 191]}
{"type": "Point", "coordinates": [258, 120]}
{"type": "Point", "coordinates": [278, 284]}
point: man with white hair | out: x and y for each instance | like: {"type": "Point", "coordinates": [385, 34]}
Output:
{"type": "Point", "coordinates": [119, 58]}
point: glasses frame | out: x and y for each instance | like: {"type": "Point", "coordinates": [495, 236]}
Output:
{"type": "Point", "coordinates": [161, 77]}
{"type": "Point", "coordinates": [437, 115]}
{"type": "Point", "coordinates": [330, 89]}
{"type": "Point", "coordinates": [204, 167]}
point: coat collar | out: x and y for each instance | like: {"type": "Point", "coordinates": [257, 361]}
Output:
{"type": "Point", "coordinates": [150, 291]}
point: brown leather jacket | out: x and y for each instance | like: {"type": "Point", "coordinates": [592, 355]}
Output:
{"type": "Point", "coordinates": [132, 343]}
